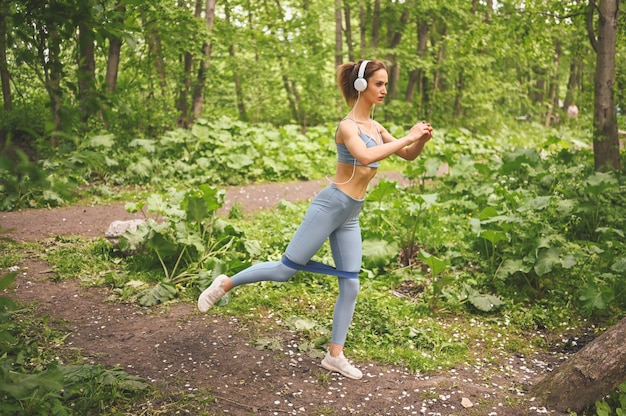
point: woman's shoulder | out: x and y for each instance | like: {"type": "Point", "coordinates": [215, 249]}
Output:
{"type": "Point", "coordinates": [348, 126]}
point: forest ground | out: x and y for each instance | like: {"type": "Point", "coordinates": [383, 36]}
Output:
{"type": "Point", "coordinates": [208, 364]}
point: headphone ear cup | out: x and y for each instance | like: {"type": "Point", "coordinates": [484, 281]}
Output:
{"type": "Point", "coordinates": [360, 84]}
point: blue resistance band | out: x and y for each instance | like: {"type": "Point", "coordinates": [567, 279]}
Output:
{"type": "Point", "coordinates": [317, 267]}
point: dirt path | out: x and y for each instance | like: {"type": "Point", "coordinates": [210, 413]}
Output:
{"type": "Point", "coordinates": [92, 221]}
{"type": "Point", "coordinates": [202, 355]}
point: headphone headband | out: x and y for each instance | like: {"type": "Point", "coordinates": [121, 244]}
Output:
{"type": "Point", "coordinates": [362, 68]}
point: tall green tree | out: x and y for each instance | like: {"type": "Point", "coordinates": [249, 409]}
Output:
{"type": "Point", "coordinates": [143, 64]}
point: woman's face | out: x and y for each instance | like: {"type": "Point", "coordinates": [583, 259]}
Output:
{"type": "Point", "coordinates": [377, 87]}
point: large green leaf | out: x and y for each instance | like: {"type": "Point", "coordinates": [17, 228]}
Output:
{"type": "Point", "coordinates": [432, 165]}
{"type": "Point", "coordinates": [238, 161]}
{"type": "Point", "coordinates": [599, 182]}
{"type": "Point", "coordinates": [485, 303]}
{"type": "Point", "coordinates": [436, 264]}
{"type": "Point", "coordinates": [160, 293]}
{"type": "Point", "coordinates": [510, 267]}
{"type": "Point", "coordinates": [382, 190]}
{"type": "Point", "coordinates": [546, 260]}
{"type": "Point", "coordinates": [36, 385]}
{"type": "Point", "coordinates": [494, 236]}
{"type": "Point", "coordinates": [102, 140]}
{"type": "Point", "coordinates": [619, 266]}
{"type": "Point", "coordinates": [482, 302]}
{"type": "Point", "coordinates": [378, 253]}
{"type": "Point", "coordinates": [595, 296]}
{"type": "Point", "coordinates": [196, 208]}
{"type": "Point", "coordinates": [188, 236]}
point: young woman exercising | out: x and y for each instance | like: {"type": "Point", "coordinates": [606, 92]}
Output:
{"type": "Point", "coordinates": [334, 212]}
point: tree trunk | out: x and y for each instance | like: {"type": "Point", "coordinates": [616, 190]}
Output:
{"type": "Point", "coordinates": [5, 77]}
{"type": "Point", "coordinates": [185, 117]}
{"type": "Point", "coordinates": [573, 82]}
{"type": "Point", "coordinates": [338, 34]}
{"type": "Point", "coordinates": [113, 64]}
{"type": "Point", "coordinates": [489, 11]}
{"type": "Point", "coordinates": [362, 31]}
{"type": "Point", "coordinates": [553, 93]}
{"type": "Point", "coordinates": [458, 96]}
{"type": "Point", "coordinates": [154, 46]}
{"type": "Point", "coordinates": [241, 106]}
{"type": "Point", "coordinates": [606, 141]}
{"type": "Point", "coordinates": [375, 24]}
{"type": "Point", "coordinates": [589, 375]}
{"type": "Point", "coordinates": [415, 78]}
{"type": "Point", "coordinates": [198, 94]}
{"type": "Point", "coordinates": [49, 55]}
{"type": "Point", "coordinates": [86, 62]}
{"type": "Point", "coordinates": [348, 19]}
{"type": "Point", "coordinates": [291, 97]}
{"type": "Point", "coordinates": [394, 41]}
{"type": "Point", "coordinates": [115, 49]}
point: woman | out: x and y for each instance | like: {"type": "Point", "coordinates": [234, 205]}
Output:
{"type": "Point", "coordinates": [333, 214]}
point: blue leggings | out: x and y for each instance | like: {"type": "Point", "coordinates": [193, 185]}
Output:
{"type": "Point", "coordinates": [332, 215]}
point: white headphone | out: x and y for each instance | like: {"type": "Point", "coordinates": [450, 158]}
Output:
{"type": "Point", "coordinates": [360, 84]}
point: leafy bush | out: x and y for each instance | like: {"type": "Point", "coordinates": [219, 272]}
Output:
{"type": "Point", "coordinates": [186, 238]}
{"type": "Point", "coordinates": [25, 184]}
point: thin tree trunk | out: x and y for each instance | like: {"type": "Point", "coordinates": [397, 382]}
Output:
{"type": "Point", "coordinates": [154, 44]}
{"type": "Point", "coordinates": [115, 50]}
{"type": "Point", "coordinates": [606, 141]}
{"type": "Point", "coordinates": [5, 76]}
{"type": "Point", "coordinates": [113, 64]}
{"type": "Point", "coordinates": [395, 40]}
{"type": "Point", "coordinates": [458, 108]}
{"type": "Point", "coordinates": [417, 75]}
{"type": "Point", "coordinates": [553, 93]}
{"type": "Point", "coordinates": [348, 20]}
{"type": "Point", "coordinates": [86, 61]}
{"type": "Point", "coordinates": [362, 31]}
{"type": "Point", "coordinates": [86, 69]}
{"type": "Point", "coordinates": [489, 11]}
{"type": "Point", "coordinates": [293, 106]}
{"type": "Point", "coordinates": [375, 24]}
{"type": "Point", "coordinates": [573, 83]}
{"type": "Point", "coordinates": [198, 94]}
{"type": "Point", "coordinates": [241, 107]}
{"type": "Point", "coordinates": [589, 375]}
{"type": "Point", "coordinates": [338, 34]}
{"type": "Point", "coordinates": [49, 60]}
{"type": "Point", "coordinates": [185, 117]}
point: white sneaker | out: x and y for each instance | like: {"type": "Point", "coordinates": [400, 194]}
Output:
{"type": "Point", "coordinates": [341, 365]}
{"type": "Point", "coordinates": [212, 293]}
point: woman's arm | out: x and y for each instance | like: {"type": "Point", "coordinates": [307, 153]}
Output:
{"type": "Point", "coordinates": [348, 134]}
{"type": "Point", "coordinates": [423, 131]}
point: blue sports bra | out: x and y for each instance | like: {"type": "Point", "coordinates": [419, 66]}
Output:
{"type": "Point", "coordinates": [344, 155]}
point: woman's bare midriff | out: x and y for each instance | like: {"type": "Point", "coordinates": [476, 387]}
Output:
{"type": "Point", "coordinates": [357, 186]}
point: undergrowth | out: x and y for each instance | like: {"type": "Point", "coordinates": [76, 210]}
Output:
{"type": "Point", "coordinates": [513, 242]}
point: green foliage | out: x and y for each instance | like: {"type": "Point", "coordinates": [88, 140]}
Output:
{"type": "Point", "coordinates": [25, 184]}
{"type": "Point", "coordinates": [519, 233]}
{"type": "Point", "coordinates": [221, 152]}
{"type": "Point", "coordinates": [499, 63]}
{"type": "Point", "coordinates": [189, 238]}
{"type": "Point", "coordinates": [614, 405]}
